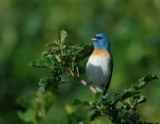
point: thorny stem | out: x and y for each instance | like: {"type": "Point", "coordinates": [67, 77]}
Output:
{"type": "Point", "coordinates": [82, 81]}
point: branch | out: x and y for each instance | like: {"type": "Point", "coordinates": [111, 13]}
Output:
{"type": "Point", "coordinates": [129, 121]}
{"type": "Point", "coordinates": [82, 81]}
{"type": "Point", "coordinates": [131, 106]}
{"type": "Point", "coordinates": [125, 117]}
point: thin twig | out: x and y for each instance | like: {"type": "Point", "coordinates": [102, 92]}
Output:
{"type": "Point", "coordinates": [61, 50]}
{"type": "Point", "coordinates": [131, 106]}
{"type": "Point", "coordinates": [82, 81]}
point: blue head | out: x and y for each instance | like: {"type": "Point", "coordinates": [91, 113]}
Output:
{"type": "Point", "coordinates": [101, 41]}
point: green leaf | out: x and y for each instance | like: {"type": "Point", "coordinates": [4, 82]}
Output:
{"type": "Point", "coordinates": [73, 50]}
{"type": "Point", "coordinates": [48, 99]}
{"type": "Point", "coordinates": [42, 63]}
{"type": "Point", "coordinates": [49, 82]}
{"type": "Point", "coordinates": [70, 109]}
{"type": "Point", "coordinates": [28, 116]}
{"type": "Point", "coordinates": [85, 103]}
{"type": "Point", "coordinates": [130, 92]}
{"type": "Point", "coordinates": [42, 84]}
{"type": "Point", "coordinates": [140, 99]}
{"type": "Point", "coordinates": [58, 58]}
{"type": "Point", "coordinates": [25, 101]}
{"type": "Point", "coordinates": [95, 114]}
{"type": "Point", "coordinates": [121, 114]}
{"type": "Point", "coordinates": [97, 96]}
{"type": "Point", "coordinates": [63, 35]}
{"type": "Point", "coordinates": [84, 53]}
{"type": "Point", "coordinates": [145, 80]}
{"type": "Point", "coordinates": [77, 102]}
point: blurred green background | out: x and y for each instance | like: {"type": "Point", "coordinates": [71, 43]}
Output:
{"type": "Point", "coordinates": [133, 28]}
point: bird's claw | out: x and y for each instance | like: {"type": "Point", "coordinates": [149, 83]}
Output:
{"type": "Point", "coordinates": [89, 84]}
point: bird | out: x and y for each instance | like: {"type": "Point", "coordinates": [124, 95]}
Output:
{"type": "Point", "coordinates": [100, 64]}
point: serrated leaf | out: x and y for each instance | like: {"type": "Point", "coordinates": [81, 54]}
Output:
{"type": "Point", "coordinates": [73, 50]}
{"type": "Point", "coordinates": [63, 35]}
{"type": "Point", "coordinates": [42, 63]}
{"type": "Point", "coordinates": [130, 92]}
{"type": "Point", "coordinates": [145, 80]}
{"type": "Point", "coordinates": [49, 82]}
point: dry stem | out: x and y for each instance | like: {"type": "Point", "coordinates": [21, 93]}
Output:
{"type": "Point", "coordinates": [82, 81]}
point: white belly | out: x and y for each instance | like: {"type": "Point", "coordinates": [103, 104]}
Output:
{"type": "Point", "coordinates": [98, 70]}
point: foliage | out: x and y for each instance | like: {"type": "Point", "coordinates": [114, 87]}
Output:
{"type": "Point", "coordinates": [121, 107]}
{"type": "Point", "coordinates": [76, 116]}
{"type": "Point", "coordinates": [131, 26]}
{"type": "Point", "coordinates": [37, 106]}
{"type": "Point", "coordinates": [61, 59]}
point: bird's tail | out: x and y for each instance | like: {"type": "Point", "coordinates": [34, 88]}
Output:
{"type": "Point", "coordinates": [107, 86]}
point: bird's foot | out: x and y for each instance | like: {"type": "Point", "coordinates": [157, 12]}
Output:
{"type": "Point", "coordinates": [89, 84]}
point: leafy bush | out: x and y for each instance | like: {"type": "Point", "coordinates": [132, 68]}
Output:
{"type": "Point", "coordinates": [61, 59]}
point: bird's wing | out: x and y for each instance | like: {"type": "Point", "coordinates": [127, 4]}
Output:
{"type": "Point", "coordinates": [107, 86]}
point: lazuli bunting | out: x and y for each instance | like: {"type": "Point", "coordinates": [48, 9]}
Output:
{"type": "Point", "coordinates": [100, 64]}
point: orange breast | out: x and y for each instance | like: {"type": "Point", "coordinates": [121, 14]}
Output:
{"type": "Point", "coordinates": [102, 53]}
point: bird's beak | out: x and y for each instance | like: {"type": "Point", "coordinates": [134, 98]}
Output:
{"type": "Point", "coordinates": [94, 38]}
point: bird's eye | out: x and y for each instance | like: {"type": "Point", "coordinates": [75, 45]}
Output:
{"type": "Point", "coordinates": [99, 37]}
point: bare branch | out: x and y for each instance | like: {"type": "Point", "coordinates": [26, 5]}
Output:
{"type": "Point", "coordinates": [82, 81]}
